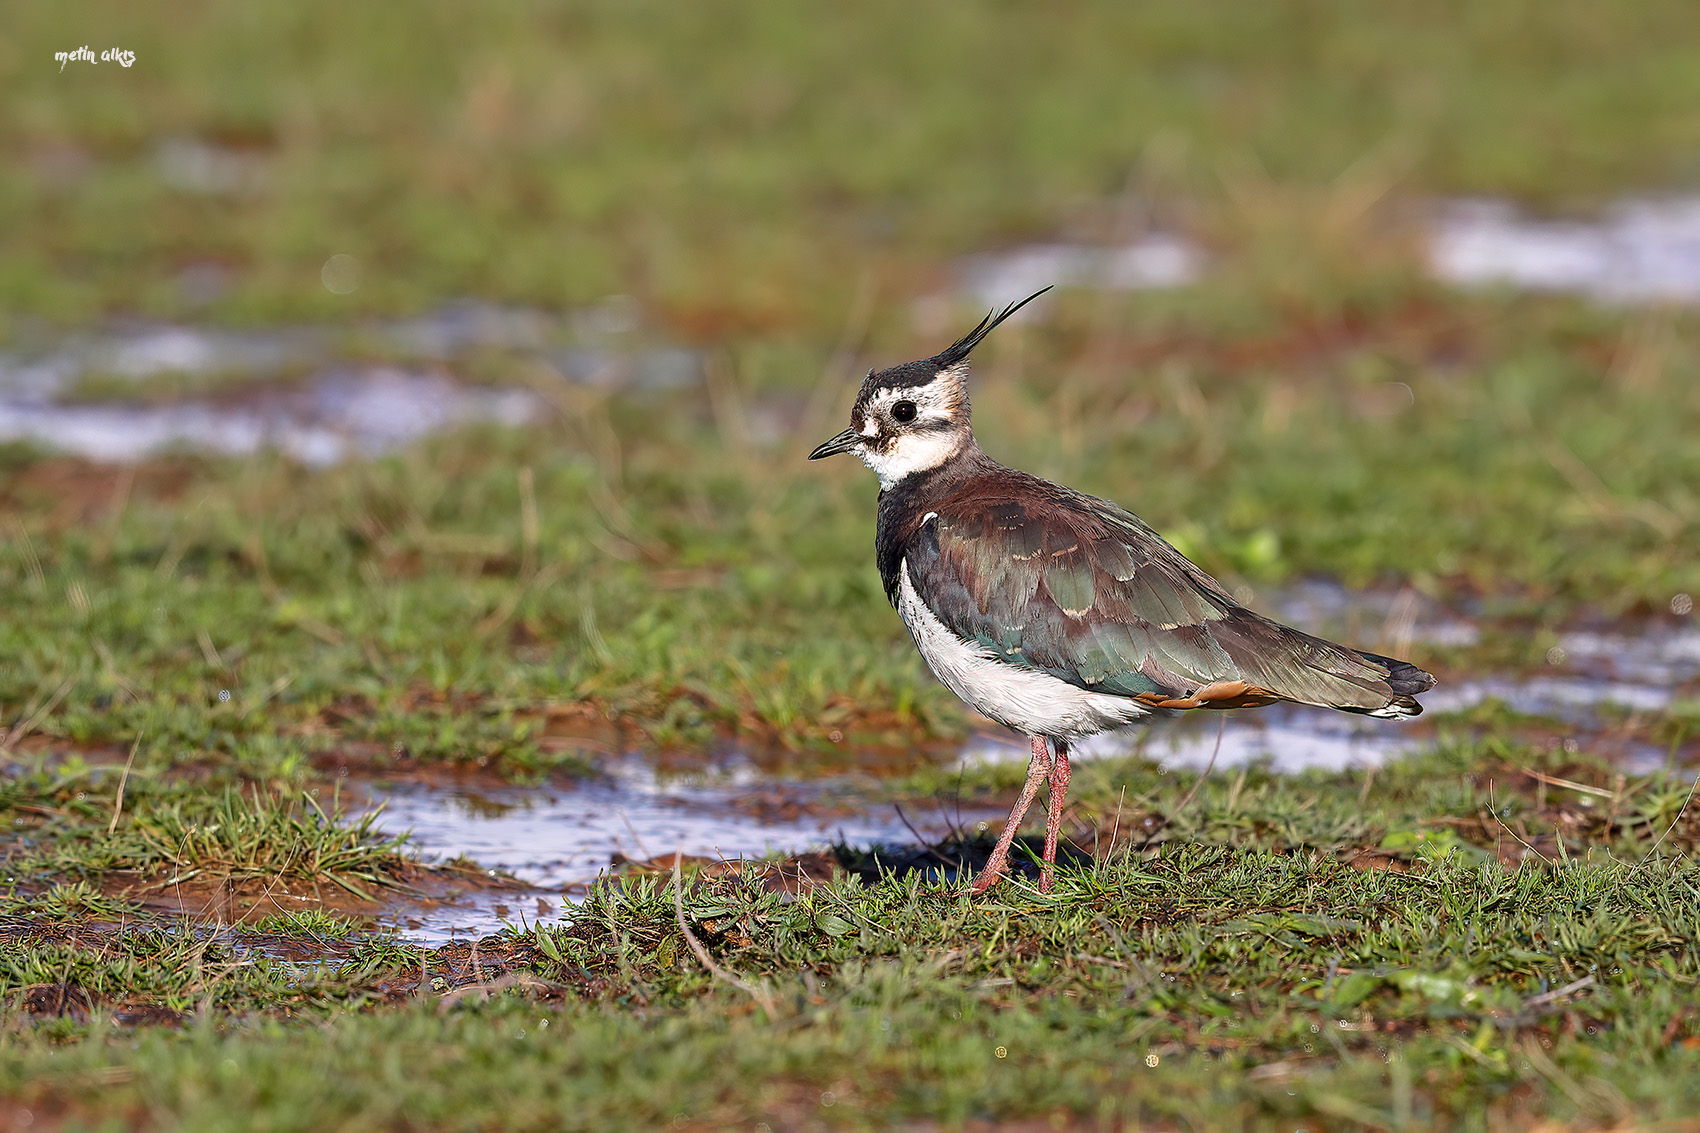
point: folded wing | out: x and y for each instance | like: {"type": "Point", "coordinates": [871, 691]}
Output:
{"type": "Point", "coordinates": [1080, 589]}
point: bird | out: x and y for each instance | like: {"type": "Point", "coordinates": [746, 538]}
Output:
{"type": "Point", "coordinates": [1057, 614]}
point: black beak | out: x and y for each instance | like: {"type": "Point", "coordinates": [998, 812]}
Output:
{"type": "Point", "coordinates": [843, 442]}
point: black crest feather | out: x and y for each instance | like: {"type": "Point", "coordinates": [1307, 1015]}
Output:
{"type": "Point", "coordinates": [960, 349]}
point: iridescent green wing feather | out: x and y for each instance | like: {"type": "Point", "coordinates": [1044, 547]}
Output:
{"type": "Point", "coordinates": [1076, 587]}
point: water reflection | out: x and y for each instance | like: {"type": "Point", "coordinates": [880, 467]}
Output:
{"type": "Point", "coordinates": [558, 839]}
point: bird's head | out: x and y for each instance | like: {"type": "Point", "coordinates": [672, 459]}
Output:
{"type": "Point", "coordinates": [914, 417]}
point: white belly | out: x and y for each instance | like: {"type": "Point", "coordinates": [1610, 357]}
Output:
{"type": "Point", "coordinates": [1031, 702]}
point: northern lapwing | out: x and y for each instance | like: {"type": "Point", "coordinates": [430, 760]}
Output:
{"type": "Point", "coordinates": [1057, 614]}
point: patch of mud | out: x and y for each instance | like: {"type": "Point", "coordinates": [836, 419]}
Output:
{"type": "Point", "coordinates": [793, 875]}
{"type": "Point", "coordinates": [412, 890]}
{"type": "Point", "coordinates": [74, 1002]}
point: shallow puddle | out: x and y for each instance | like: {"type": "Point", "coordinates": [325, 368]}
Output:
{"type": "Point", "coordinates": [297, 390]}
{"type": "Point", "coordinates": [1639, 251]}
{"type": "Point", "coordinates": [333, 417]}
{"type": "Point", "coordinates": [1156, 260]}
{"type": "Point", "coordinates": [558, 839]}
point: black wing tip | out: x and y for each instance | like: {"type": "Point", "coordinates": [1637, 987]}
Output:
{"type": "Point", "coordinates": [1405, 681]}
{"type": "Point", "coordinates": [961, 348]}
{"type": "Point", "coordinates": [1404, 678]}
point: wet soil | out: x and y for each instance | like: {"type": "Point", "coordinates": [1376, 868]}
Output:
{"type": "Point", "coordinates": [416, 889]}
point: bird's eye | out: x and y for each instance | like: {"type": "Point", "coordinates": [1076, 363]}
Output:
{"type": "Point", "coordinates": [903, 412]}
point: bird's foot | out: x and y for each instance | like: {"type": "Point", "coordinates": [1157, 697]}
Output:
{"type": "Point", "coordinates": [988, 877]}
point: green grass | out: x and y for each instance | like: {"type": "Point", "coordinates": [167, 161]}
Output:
{"type": "Point", "coordinates": [1241, 973]}
{"type": "Point", "coordinates": [229, 836]}
{"type": "Point", "coordinates": [650, 571]}
{"type": "Point", "coordinates": [73, 821]}
{"type": "Point", "coordinates": [664, 572]}
{"type": "Point", "coordinates": [712, 159]}
{"type": "Point", "coordinates": [1313, 408]}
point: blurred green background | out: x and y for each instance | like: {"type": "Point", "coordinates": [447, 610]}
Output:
{"type": "Point", "coordinates": [786, 188]}
{"type": "Point", "coordinates": [737, 165]}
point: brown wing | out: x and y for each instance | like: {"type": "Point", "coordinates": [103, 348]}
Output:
{"type": "Point", "coordinates": [1078, 588]}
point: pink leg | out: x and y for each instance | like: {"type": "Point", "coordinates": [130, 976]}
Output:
{"type": "Point", "coordinates": [1053, 816]}
{"type": "Point", "coordinates": [996, 864]}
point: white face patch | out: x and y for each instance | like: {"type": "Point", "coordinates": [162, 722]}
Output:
{"type": "Point", "coordinates": [937, 432]}
{"type": "Point", "coordinates": [911, 453]}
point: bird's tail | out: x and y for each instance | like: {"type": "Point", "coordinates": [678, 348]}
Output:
{"type": "Point", "coordinates": [1404, 681]}
{"type": "Point", "coordinates": [1282, 663]}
